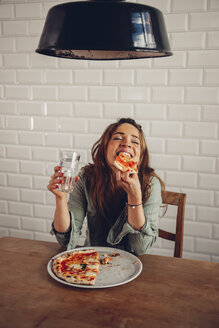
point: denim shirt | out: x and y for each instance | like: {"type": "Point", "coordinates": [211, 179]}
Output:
{"type": "Point", "coordinates": [120, 234]}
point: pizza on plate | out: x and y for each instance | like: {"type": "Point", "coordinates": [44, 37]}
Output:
{"type": "Point", "coordinates": [78, 266]}
{"type": "Point", "coordinates": [124, 163]}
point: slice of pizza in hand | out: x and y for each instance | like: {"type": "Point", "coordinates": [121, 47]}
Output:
{"type": "Point", "coordinates": [77, 267]}
{"type": "Point", "coordinates": [124, 163]}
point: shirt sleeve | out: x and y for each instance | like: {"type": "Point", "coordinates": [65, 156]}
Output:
{"type": "Point", "coordinates": [140, 242]}
{"type": "Point", "coordinates": [77, 205]}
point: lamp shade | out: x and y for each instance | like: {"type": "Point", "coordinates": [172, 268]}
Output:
{"type": "Point", "coordinates": [104, 30]}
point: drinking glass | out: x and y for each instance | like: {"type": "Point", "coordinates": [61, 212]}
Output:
{"type": "Point", "coordinates": [69, 161]}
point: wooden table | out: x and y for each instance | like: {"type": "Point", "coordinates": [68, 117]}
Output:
{"type": "Point", "coordinates": [170, 292]}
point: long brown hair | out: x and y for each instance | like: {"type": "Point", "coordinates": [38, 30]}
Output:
{"type": "Point", "coordinates": [101, 176]}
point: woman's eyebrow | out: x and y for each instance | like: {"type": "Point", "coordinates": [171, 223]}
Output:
{"type": "Point", "coordinates": [122, 133]}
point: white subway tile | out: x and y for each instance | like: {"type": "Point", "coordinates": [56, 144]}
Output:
{"type": "Point", "coordinates": [204, 21]}
{"type": "Point", "coordinates": [44, 211]}
{"type": "Point", "coordinates": [200, 130]}
{"type": "Point", "coordinates": [211, 113]}
{"type": "Point", "coordinates": [88, 77]}
{"type": "Point", "coordinates": [9, 221]}
{"type": "Point", "coordinates": [185, 77]}
{"type": "Point", "coordinates": [9, 165]}
{"type": "Point", "coordinates": [184, 112]}
{"type": "Point", "coordinates": [29, 77]}
{"type": "Point", "coordinates": [6, 11]}
{"type": "Point", "coordinates": [31, 108]}
{"type": "Point", "coordinates": [204, 58]}
{"type": "Point", "coordinates": [3, 179]}
{"type": "Point", "coordinates": [215, 233]}
{"type": "Point", "coordinates": [40, 61]}
{"type": "Point", "coordinates": [26, 44]}
{"type": "Point", "coordinates": [198, 164]}
{"type": "Point", "coordinates": [3, 206]}
{"type": "Point", "coordinates": [207, 246]}
{"type": "Point", "coordinates": [98, 126]}
{"type": "Point", "coordinates": [20, 208]}
{"type": "Point", "coordinates": [209, 147]}
{"type": "Point", "coordinates": [188, 244]}
{"type": "Point", "coordinates": [44, 92]}
{"type": "Point", "coordinates": [166, 129]}
{"type": "Point", "coordinates": [58, 140]}
{"type": "Point", "coordinates": [213, 4]}
{"type": "Point", "coordinates": [132, 64]}
{"type": "Point", "coordinates": [41, 183]}
{"type": "Point", "coordinates": [46, 154]}
{"type": "Point", "coordinates": [18, 152]}
{"type": "Point", "coordinates": [169, 162]}
{"type": "Point", "coordinates": [28, 10]}
{"type": "Point", "coordinates": [32, 196]}
{"type": "Point", "coordinates": [207, 214]}
{"type": "Point", "coordinates": [202, 95]}
{"type": "Point", "coordinates": [182, 146]}
{"type": "Point", "coordinates": [134, 94]}
{"type": "Point", "coordinates": [59, 109]}
{"type": "Point", "coordinates": [7, 77]}
{"type": "Point", "coordinates": [167, 94]}
{"type": "Point", "coordinates": [14, 28]}
{"type": "Point", "coordinates": [19, 180]}
{"type": "Point", "coordinates": [73, 93]}
{"type": "Point", "coordinates": [7, 107]}
{"type": "Point", "coordinates": [85, 141]}
{"type": "Point", "coordinates": [18, 123]}
{"type": "Point", "coordinates": [30, 167]}
{"type": "Point", "coordinates": [44, 124]}
{"type": "Point", "coordinates": [45, 237]}
{"type": "Point", "coordinates": [188, 5]}
{"type": "Point", "coordinates": [118, 77]}
{"type": "Point", "coordinates": [72, 64]}
{"type": "Point", "coordinates": [209, 181]}
{"type": "Point", "coordinates": [35, 27]}
{"type": "Point", "coordinates": [188, 40]}
{"type": "Point", "coordinates": [7, 45]}
{"type": "Point", "coordinates": [21, 234]}
{"type": "Point", "coordinates": [118, 110]}
{"type": "Point", "coordinates": [72, 125]}
{"type": "Point", "coordinates": [212, 40]}
{"type": "Point", "coordinates": [150, 111]}
{"type": "Point", "coordinates": [9, 193]}
{"type": "Point", "coordinates": [178, 60]}
{"type": "Point", "coordinates": [31, 138]}
{"type": "Point", "coordinates": [83, 109]}
{"type": "Point", "coordinates": [151, 77]}
{"type": "Point", "coordinates": [176, 22]}
{"type": "Point", "coordinates": [103, 93]}
{"type": "Point", "coordinates": [8, 137]}
{"type": "Point", "coordinates": [217, 199]}
{"type": "Point", "coordinates": [58, 77]}
{"type": "Point", "coordinates": [155, 145]}
{"type": "Point", "coordinates": [182, 179]}
{"type": "Point", "coordinates": [33, 224]}
{"type": "Point", "coordinates": [197, 197]}
{"type": "Point", "coordinates": [211, 77]}
{"type": "Point", "coordinates": [17, 92]}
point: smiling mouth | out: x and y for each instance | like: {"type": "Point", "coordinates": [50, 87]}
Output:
{"type": "Point", "coordinates": [123, 152]}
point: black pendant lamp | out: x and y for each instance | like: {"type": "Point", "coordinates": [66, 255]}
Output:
{"type": "Point", "coordinates": [104, 30]}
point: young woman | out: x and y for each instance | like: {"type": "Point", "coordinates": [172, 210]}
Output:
{"type": "Point", "coordinates": [121, 208]}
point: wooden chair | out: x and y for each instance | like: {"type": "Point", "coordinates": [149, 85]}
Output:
{"type": "Point", "coordinates": [179, 200]}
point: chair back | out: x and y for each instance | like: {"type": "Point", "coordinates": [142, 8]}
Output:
{"type": "Point", "coordinates": [179, 200]}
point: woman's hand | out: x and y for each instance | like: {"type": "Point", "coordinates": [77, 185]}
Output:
{"type": "Point", "coordinates": [56, 179]}
{"type": "Point", "coordinates": [131, 184]}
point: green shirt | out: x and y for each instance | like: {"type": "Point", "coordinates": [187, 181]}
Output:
{"type": "Point", "coordinates": [101, 231]}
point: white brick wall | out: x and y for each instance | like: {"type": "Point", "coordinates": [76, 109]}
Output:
{"type": "Point", "coordinates": [49, 103]}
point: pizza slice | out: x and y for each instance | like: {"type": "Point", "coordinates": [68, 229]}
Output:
{"type": "Point", "coordinates": [124, 163]}
{"type": "Point", "coordinates": [78, 266]}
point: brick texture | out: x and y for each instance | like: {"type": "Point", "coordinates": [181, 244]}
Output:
{"type": "Point", "coordinates": [48, 104]}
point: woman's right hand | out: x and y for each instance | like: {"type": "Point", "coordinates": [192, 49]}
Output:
{"type": "Point", "coordinates": [55, 180]}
